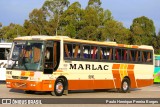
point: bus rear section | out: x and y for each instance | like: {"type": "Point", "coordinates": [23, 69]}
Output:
{"type": "Point", "coordinates": [157, 69]}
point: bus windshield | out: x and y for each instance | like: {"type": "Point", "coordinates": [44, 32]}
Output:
{"type": "Point", "coordinates": [27, 55]}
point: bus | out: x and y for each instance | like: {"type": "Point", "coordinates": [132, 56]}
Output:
{"type": "Point", "coordinates": [4, 52]}
{"type": "Point", "coordinates": [58, 64]}
{"type": "Point", "coordinates": [157, 69]}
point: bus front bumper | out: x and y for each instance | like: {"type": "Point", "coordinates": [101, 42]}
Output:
{"type": "Point", "coordinates": [45, 85]}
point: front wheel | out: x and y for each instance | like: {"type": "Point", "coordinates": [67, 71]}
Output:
{"type": "Point", "coordinates": [125, 86]}
{"type": "Point", "coordinates": [59, 87]}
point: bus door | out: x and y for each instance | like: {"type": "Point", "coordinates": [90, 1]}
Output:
{"type": "Point", "coordinates": [48, 58]}
{"type": "Point", "coordinates": [51, 56]}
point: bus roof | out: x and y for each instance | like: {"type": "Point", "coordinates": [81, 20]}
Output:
{"type": "Point", "coordinates": [5, 45]}
{"type": "Point", "coordinates": [68, 39]}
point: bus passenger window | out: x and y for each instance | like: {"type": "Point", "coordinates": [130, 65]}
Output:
{"type": "Point", "coordinates": [76, 51]}
{"type": "Point", "coordinates": [137, 56]}
{"type": "Point", "coordinates": [146, 56]}
{"type": "Point", "coordinates": [68, 51]}
{"type": "Point", "coordinates": [94, 52]}
{"type": "Point", "coordinates": [134, 55]}
{"type": "Point", "coordinates": [118, 54]}
{"type": "Point", "coordinates": [103, 53]}
{"type": "Point", "coordinates": [149, 57]}
{"type": "Point", "coordinates": [49, 58]}
{"type": "Point", "coordinates": [121, 54]}
{"type": "Point", "coordinates": [110, 50]}
{"type": "Point", "coordinates": [86, 52]}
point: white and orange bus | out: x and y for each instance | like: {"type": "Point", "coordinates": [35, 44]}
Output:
{"type": "Point", "coordinates": [59, 63]}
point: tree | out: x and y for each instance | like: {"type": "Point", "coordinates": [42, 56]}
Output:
{"type": "Point", "coordinates": [0, 24]}
{"type": "Point", "coordinates": [12, 31]}
{"type": "Point", "coordinates": [54, 9]}
{"type": "Point", "coordinates": [0, 30]}
{"type": "Point", "coordinates": [38, 20]}
{"type": "Point", "coordinates": [70, 22]}
{"type": "Point", "coordinates": [96, 4]}
{"type": "Point", "coordinates": [114, 31]}
{"type": "Point", "coordinates": [92, 20]}
{"type": "Point", "coordinates": [156, 43]}
{"type": "Point", "coordinates": [143, 29]}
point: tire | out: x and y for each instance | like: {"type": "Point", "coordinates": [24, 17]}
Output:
{"type": "Point", "coordinates": [29, 92]}
{"type": "Point", "coordinates": [59, 87]}
{"type": "Point", "coordinates": [125, 86]}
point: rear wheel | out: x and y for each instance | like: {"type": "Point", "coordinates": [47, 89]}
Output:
{"type": "Point", "coordinates": [125, 86]}
{"type": "Point", "coordinates": [59, 87]}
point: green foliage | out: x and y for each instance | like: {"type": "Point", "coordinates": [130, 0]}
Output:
{"type": "Point", "coordinates": [114, 31]}
{"type": "Point", "coordinates": [57, 17]}
{"type": "Point", "coordinates": [70, 22]}
{"type": "Point", "coordinates": [11, 31]}
{"type": "Point", "coordinates": [38, 20]}
{"type": "Point", "coordinates": [143, 29]}
{"type": "Point", "coordinates": [54, 9]}
{"type": "Point", "coordinates": [0, 24]}
{"type": "Point", "coordinates": [156, 43]}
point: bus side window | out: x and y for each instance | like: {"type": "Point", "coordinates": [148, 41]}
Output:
{"type": "Point", "coordinates": [49, 58]}
{"type": "Point", "coordinates": [103, 53]}
{"type": "Point", "coordinates": [149, 57]}
{"type": "Point", "coordinates": [117, 54]}
{"type": "Point", "coordinates": [76, 51]}
{"type": "Point", "coordinates": [146, 56]}
{"type": "Point", "coordinates": [124, 55]}
{"type": "Point", "coordinates": [86, 52]}
{"type": "Point", "coordinates": [68, 50]}
{"type": "Point", "coordinates": [110, 53]}
{"type": "Point", "coordinates": [137, 56]}
{"type": "Point", "coordinates": [130, 56]}
{"type": "Point", "coordinates": [94, 52]}
{"type": "Point", "coordinates": [143, 56]}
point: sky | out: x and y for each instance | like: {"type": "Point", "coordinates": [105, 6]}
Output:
{"type": "Point", "coordinates": [16, 11]}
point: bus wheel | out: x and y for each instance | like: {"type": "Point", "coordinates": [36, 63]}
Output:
{"type": "Point", "coordinates": [125, 86]}
{"type": "Point", "coordinates": [29, 92]}
{"type": "Point", "coordinates": [59, 87]}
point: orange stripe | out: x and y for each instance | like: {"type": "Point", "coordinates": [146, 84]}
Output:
{"type": "Point", "coordinates": [116, 75]}
{"type": "Point", "coordinates": [31, 74]}
{"type": "Point", "coordinates": [115, 66]}
{"type": "Point", "coordinates": [59, 71]}
{"type": "Point", "coordinates": [144, 82]}
{"type": "Point", "coordinates": [134, 46]}
{"type": "Point", "coordinates": [131, 75]}
{"type": "Point", "coordinates": [22, 73]}
{"type": "Point", "coordinates": [117, 78]}
{"type": "Point", "coordinates": [131, 67]}
{"type": "Point", "coordinates": [90, 84]}
{"type": "Point", "coordinates": [121, 45]}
